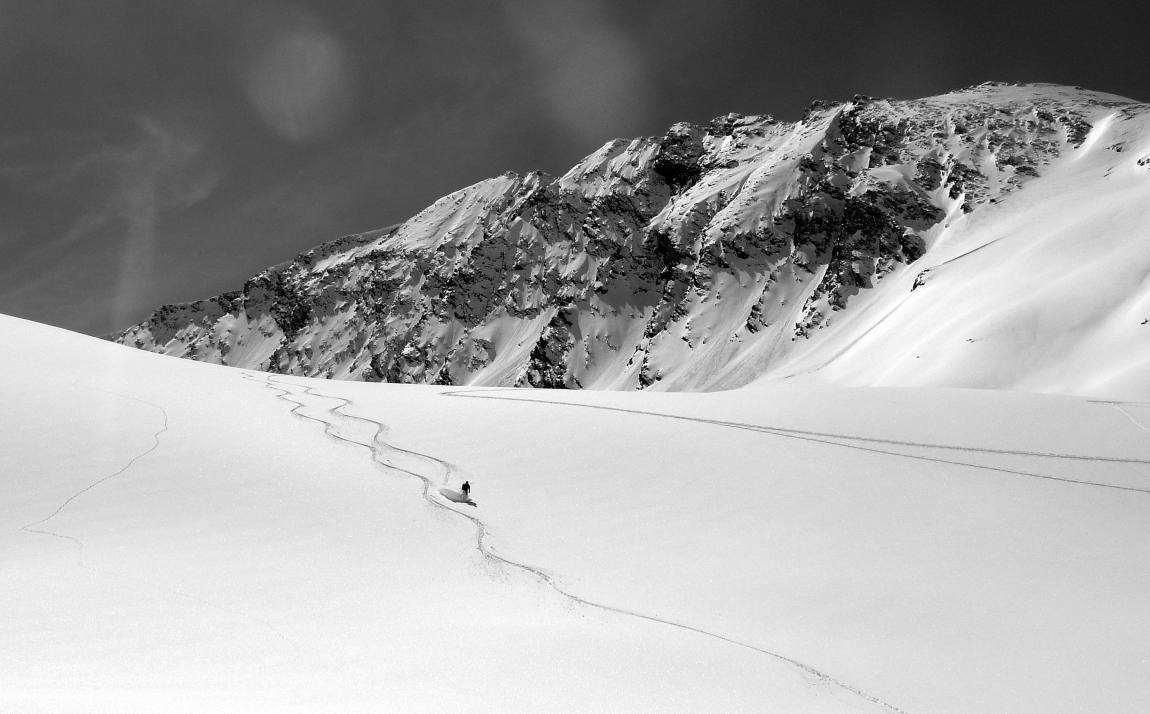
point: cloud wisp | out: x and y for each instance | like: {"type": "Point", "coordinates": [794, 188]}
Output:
{"type": "Point", "coordinates": [121, 189]}
{"type": "Point", "coordinates": [295, 74]}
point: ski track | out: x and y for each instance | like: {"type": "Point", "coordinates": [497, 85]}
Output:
{"type": "Point", "coordinates": [483, 535]}
{"type": "Point", "coordinates": [80, 561]}
{"type": "Point", "coordinates": [31, 527]}
{"type": "Point", "coordinates": [854, 342]}
{"type": "Point", "coordinates": [828, 438]}
{"type": "Point", "coordinates": [1121, 407]}
{"type": "Point", "coordinates": [968, 253]}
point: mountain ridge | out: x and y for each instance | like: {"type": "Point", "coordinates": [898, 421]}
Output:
{"type": "Point", "coordinates": [703, 259]}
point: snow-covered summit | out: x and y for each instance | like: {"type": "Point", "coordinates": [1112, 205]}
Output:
{"type": "Point", "coordinates": [990, 237]}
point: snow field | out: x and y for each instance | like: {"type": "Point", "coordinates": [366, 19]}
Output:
{"type": "Point", "coordinates": [246, 561]}
{"type": "Point", "coordinates": [790, 546]}
{"type": "Point", "coordinates": [927, 576]}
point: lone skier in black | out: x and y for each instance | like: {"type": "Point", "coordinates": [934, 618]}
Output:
{"type": "Point", "coordinates": [467, 489]}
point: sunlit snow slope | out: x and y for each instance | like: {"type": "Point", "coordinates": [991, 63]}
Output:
{"type": "Point", "coordinates": [175, 538]}
{"type": "Point", "coordinates": [1047, 289]}
{"type": "Point", "coordinates": [994, 236]}
{"type": "Point", "coordinates": [172, 538]}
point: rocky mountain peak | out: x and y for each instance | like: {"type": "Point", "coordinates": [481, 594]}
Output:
{"type": "Point", "coordinates": [693, 260]}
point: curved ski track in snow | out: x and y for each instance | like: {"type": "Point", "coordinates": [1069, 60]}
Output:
{"type": "Point", "coordinates": [31, 527]}
{"type": "Point", "coordinates": [378, 449]}
{"type": "Point", "coordinates": [827, 438]}
{"type": "Point", "coordinates": [80, 562]}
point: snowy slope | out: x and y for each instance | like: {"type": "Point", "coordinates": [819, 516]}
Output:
{"type": "Point", "coordinates": [747, 247]}
{"type": "Point", "coordinates": [1047, 290]}
{"type": "Point", "coordinates": [948, 551]}
{"type": "Point", "coordinates": [175, 538]}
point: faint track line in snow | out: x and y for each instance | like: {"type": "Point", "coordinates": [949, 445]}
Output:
{"type": "Point", "coordinates": [31, 527]}
{"type": "Point", "coordinates": [968, 253]}
{"type": "Point", "coordinates": [869, 331]}
{"type": "Point", "coordinates": [1132, 418]}
{"type": "Point", "coordinates": [827, 438]}
{"type": "Point", "coordinates": [483, 535]}
{"type": "Point", "coordinates": [1120, 406]}
{"type": "Point", "coordinates": [765, 427]}
{"type": "Point", "coordinates": [80, 561]}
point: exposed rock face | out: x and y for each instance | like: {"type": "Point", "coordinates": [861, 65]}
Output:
{"type": "Point", "coordinates": [675, 262]}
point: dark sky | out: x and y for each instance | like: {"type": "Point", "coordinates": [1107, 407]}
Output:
{"type": "Point", "coordinates": [164, 150]}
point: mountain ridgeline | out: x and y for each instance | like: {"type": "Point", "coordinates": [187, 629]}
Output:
{"type": "Point", "coordinates": [699, 260]}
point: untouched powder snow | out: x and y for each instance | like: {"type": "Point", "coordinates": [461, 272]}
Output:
{"type": "Point", "coordinates": [186, 537]}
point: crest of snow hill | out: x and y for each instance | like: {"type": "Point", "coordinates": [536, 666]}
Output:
{"type": "Point", "coordinates": [700, 260]}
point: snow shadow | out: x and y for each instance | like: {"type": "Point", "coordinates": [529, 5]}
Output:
{"type": "Point", "coordinates": [452, 495]}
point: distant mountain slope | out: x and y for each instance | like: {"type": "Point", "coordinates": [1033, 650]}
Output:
{"type": "Point", "coordinates": [746, 247]}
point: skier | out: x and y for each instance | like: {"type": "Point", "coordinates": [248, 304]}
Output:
{"type": "Point", "coordinates": [467, 489]}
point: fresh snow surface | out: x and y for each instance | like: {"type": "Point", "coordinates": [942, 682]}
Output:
{"type": "Point", "coordinates": [178, 536]}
